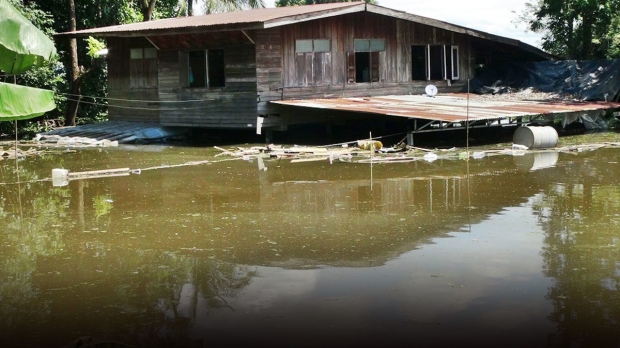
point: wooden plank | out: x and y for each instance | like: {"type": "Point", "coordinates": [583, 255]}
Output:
{"type": "Point", "coordinates": [309, 69]}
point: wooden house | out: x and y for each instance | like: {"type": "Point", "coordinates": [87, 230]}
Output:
{"type": "Point", "coordinates": [229, 70]}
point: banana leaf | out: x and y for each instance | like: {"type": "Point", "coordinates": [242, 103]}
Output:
{"type": "Point", "coordinates": [22, 45]}
{"type": "Point", "coordinates": [21, 102]}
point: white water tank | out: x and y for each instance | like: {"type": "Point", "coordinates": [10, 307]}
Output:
{"type": "Point", "coordinates": [536, 137]}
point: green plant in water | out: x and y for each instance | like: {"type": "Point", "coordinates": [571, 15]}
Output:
{"type": "Point", "coordinates": [102, 205]}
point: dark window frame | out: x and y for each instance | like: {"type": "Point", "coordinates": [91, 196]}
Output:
{"type": "Point", "coordinates": [204, 69]}
{"type": "Point", "coordinates": [441, 62]}
{"type": "Point", "coordinates": [367, 52]}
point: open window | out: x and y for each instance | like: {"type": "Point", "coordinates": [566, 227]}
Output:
{"type": "Point", "coordinates": [202, 69]}
{"type": "Point", "coordinates": [364, 64]}
{"type": "Point", "coordinates": [434, 62]}
{"type": "Point", "coordinates": [143, 67]}
{"type": "Point", "coordinates": [418, 63]}
{"type": "Point", "coordinates": [312, 61]}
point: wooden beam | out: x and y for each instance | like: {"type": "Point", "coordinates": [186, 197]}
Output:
{"type": "Point", "coordinates": [152, 43]}
{"type": "Point", "coordinates": [248, 36]}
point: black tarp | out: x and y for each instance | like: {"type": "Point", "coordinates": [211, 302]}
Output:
{"type": "Point", "coordinates": [586, 80]}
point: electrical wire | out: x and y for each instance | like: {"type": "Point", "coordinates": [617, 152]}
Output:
{"type": "Point", "coordinates": [139, 108]}
{"type": "Point", "coordinates": [137, 100]}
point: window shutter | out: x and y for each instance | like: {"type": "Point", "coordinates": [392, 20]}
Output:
{"type": "Point", "coordinates": [374, 67]}
{"type": "Point", "coordinates": [455, 62]}
{"type": "Point", "coordinates": [300, 67]}
{"type": "Point", "coordinates": [319, 68]}
{"type": "Point", "coordinates": [309, 68]}
{"type": "Point", "coordinates": [350, 67]}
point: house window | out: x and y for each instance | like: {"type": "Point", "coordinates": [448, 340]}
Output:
{"type": "Point", "coordinates": [205, 68]}
{"type": "Point", "coordinates": [312, 62]}
{"type": "Point", "coordinates": [143, 67]}
{"type": "Point", "coordinates": [434, 62]}
{"type": "Point", "coordinates": [364, 63]}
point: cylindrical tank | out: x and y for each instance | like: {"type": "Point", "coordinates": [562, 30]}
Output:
{"type": "Point", "coordinates": [536, 137]}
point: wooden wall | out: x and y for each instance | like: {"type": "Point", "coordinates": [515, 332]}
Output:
{"type": "Point", "coordinates": [232, 106]}
{"type": "Point", "coordinates": [137, 104]}
{"type": "Point", "coordinates": [395, 62]}
{"type": "Point", "coordinates": [268, 68]}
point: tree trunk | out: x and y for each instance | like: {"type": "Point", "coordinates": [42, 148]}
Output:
{"type": "Point", "coordinates": [148, 6]}
{"type": "Point", "coordinates": [586, 38]}
{"type": "Point", "coordinates": [74, 75]}
{"type": "Point", "coordinates": [190, 7]}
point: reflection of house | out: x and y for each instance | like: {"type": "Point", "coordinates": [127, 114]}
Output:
{"type": "Point", "coordinates": [223, 70]}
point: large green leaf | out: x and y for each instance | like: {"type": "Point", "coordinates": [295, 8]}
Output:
{"type": "Point", "coordinates": [21, 102]}
{"type": "Point", "coordinates": [22, 45]}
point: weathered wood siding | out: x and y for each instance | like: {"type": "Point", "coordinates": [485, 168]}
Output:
{"type": "Point", "coordinates": [127, 103]}
{"type": "Point", "coordinates": [268, 68]}
{"type": "Point", "coordinates": [232, 106]}
{"type": "Point", "coordinates": [395, 62]}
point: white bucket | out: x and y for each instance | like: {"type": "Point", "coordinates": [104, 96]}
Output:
{"type": "Point", "coordinates": [536, 137]}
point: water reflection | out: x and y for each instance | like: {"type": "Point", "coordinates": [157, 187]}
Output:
{"type": "Point", "coordinates": [194, 255]}
{"type": "Point", "coordinates": [537, 160]}
{"type": "Point", "coordinates": [580, 215]}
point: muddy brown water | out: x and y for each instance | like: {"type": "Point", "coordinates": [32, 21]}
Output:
{"type": "Point", "coordinates": [501, 251]}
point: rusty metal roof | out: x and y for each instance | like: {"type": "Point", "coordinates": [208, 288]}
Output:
{"type": "Point", "coordinates": [449, 107]}
{"type": "Point", "coordinates": [262, 17]}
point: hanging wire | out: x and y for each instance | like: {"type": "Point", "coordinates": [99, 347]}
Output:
{"type": "Point", "coordinates": [138, 100]}
{"type": "Point", "coordinates": [140, 108]}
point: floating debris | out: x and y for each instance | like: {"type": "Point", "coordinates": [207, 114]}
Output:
{"type": "Point", "coordinates": [74, 142]}
{"type": "Point", "coordinates": [397, 154]}
{"type": "Point", "coordinates": [12, 153]}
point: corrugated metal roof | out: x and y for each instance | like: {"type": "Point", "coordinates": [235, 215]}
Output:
{"type": "Point", "coordinates": [448, 108]}
{"type": "Point", "coordinates": [255, 16]}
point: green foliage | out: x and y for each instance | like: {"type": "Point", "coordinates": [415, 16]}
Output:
{"type": "Point", "coordinates": [575, 29]}
{"type": "Point", "coordinates": [282, 3]}
{"type": "Point", "coordinates": [612, 38]}
{"type": "Point", "coordinates": [41, 19]}
{"type": "Point", "coordinates": [218, 6]}
{"type": "Point", "coordinates": [94, 46]}
{"type": "Point", "coordinates": [49, 76]}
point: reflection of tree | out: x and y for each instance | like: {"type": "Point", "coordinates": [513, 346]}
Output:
{"type": "Point", "coordinates": [149, 290]}
{"type": "Point", "coordinates": [27, 239]}
{"type": "Point", "coordinates": [581, 222]}
{"type": "Point", "coordinates": [63, 265]}
{"type": "Point", "coordinates": [215, 281]}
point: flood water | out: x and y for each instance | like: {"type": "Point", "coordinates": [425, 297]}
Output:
{"type": "Point", "coordinates": [502, 251]}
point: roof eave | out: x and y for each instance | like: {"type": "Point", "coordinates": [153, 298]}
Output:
{"type": "Point", "coordinates": [163, 31]}
{"type": "Point", "coordinates": [457, 29]}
